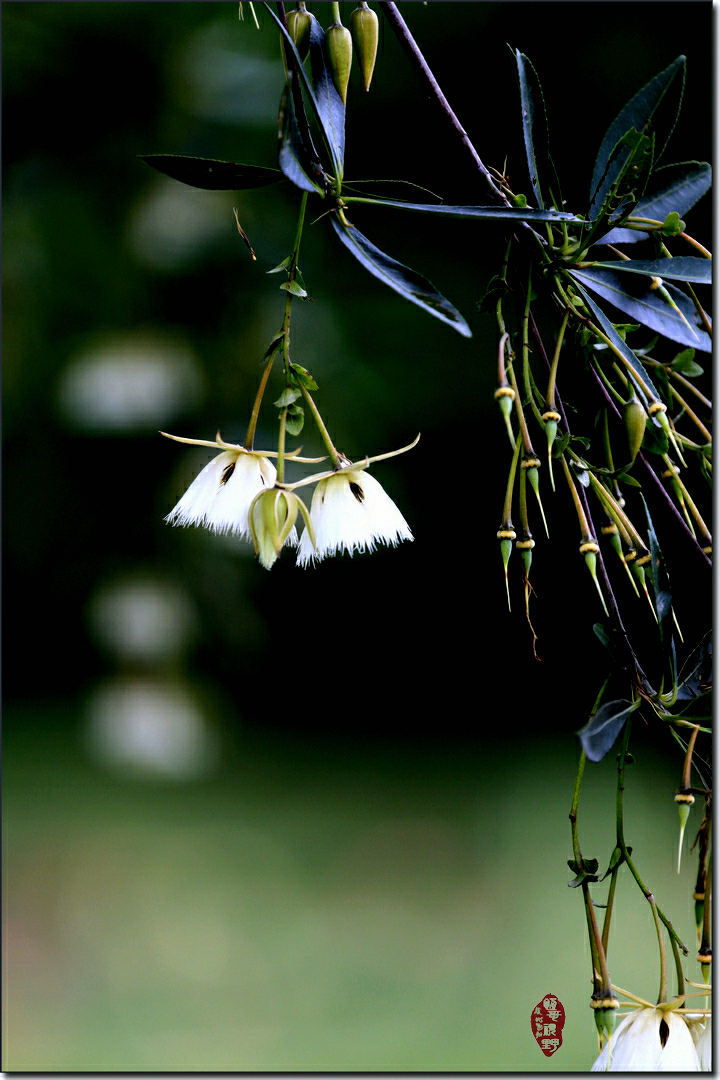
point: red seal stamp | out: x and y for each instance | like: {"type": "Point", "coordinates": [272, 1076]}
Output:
{"type": "Point", "coordinates": [547, 1021]}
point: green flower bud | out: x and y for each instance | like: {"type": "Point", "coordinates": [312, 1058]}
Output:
{"type": "Point", "coordinates": [339, 52]}
{"type": "Point", "coordinates": [299, 22]}
{"type": "Point", "coordinates": [605, 1011]}
{"type": "Point", "coordinates": [271, 518]}
{"type": "Point", "coordinates": [635, 419]}
{"type": "Point", "coordinates": [364, 27]}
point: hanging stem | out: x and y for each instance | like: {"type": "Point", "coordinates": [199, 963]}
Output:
{"type": "Point", "coordinates": [555, 361]}
{"type": "Point", "coordinates": [334, 456]}
{"type": "Point", "coordinates": [621, 836]}
{"type": "Point", "coordinates": [284, 341]}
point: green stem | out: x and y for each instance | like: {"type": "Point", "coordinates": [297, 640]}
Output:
{"type": "Point", "coordinates": [250, 436]}
{"type": "Point", "coordinates": [526, 352]}
{"type": "Point", "coordinates": [662, 994]}
{"type": "Point", "coordinates": [334, 456]}
{"type": "Point", "coordinates": [577, 854]}
{"type": "Point", "coordinates": [555, 360]}
{"type": "Point", "coordinates": [507, 508]}
{"type": "Point", "coordinates": [281, 447]}
{"type": "Point", "coordinates": [608, 908]}
{"type": "Point", "coordinates": [621, 836]}
{"type": "Point", "coordinates": [335, 12]}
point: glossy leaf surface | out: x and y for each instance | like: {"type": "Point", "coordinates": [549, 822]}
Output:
{"type": "Point", "coordinates": [534, 120]}
{"type": "Point", "coordinates": [636, 114]}
{"type": "Point", "coordinates": [696, 675]}
{"type": "Point", "coordinates": [401, 278]}
{"type": "Point", "coordinates": [683, 268]}
{"type": "Point", "coordinates": [297, 156]}
{"type": "Point", "coordinates": [481, 213]}
{"type": "Point", "coordinates": [330, 105]}
{"type": "Point", "coordinates": [663, 595]}
{"type": "Point", "coordinates": [210, 174]}
{"type": "Point", "coordinates": [290, 49]}
{"type": "Point", "coordinates": [608, 329]}
{"type": "Point", "coordinates": [646, 306]}
{"type": "Point", "coordinates": [682, 186]}
{"type": "Point", "coordinates": [601, 731]}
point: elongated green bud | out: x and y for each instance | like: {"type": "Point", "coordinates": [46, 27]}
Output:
{"type": "Point", "coordinates": [339, 51]}
{"type": "Point", "coordinates": [299, 22]}
{"type": "Point", "coordinates": [364, 27]}
{"type": "Point", "coordinates": [271, 519]}
{"type": "Point", "coordinates": [684, 800]}
{"type": "Point", "coordinates": [635, 419]}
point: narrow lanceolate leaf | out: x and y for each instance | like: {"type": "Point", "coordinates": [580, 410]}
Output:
{"type": "Point", "coordinates": [663, 596]}
{"type": "Point", "coordinates": [683, 268]}
{"type": "Point", "coordinates": [636, 114]}
{"type": "Point", "coordinates": [682, 186]}
{"type": "Point", "coordinates": [696, 675]}
{"type": "Point", "coordinates": [481, 213]}
{"type": "Point", "coordinates": [609, 330]}
{"type": "Point", "coordinates": [330, 104]}
{"type": "Point", "coordinates": [631, 294]}
{"type": "Point", "coordinates": [601, 731]}
{"type": "Point", "coordinates": [401, 278]}
{"type": "Point", "coordinates": [534, 121]}
{"type": "Point", "coordinates": [297, 156]}
{"type": "Point", "coordinates": [329, 137]}
{"type": "Point", "coordinates": [210, 174]}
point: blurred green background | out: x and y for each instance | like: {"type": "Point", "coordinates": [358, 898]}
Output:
{"type": "Point", "coordinates": [298, 820]}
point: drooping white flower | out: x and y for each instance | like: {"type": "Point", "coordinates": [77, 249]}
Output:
{"type": "Point", "coordinates": [701, 1030]}
{"type": "Point", "coordinates": [704, 1047]}
{"type": "Point", "coordinates": [650, 1040]}
{"type": "Point", "coordinates": [221, 495]}
{"type": "Point", "coordinates": [351, 511]}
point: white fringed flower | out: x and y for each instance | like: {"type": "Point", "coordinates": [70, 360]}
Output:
{"type": "Point", "coordinates": [650, 1040]}
{"type": "Point", "coordinates": [221, 495]}
{"type": "Point", "coordinates": [350, 511]}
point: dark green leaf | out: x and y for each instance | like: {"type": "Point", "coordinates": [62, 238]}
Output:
{"type": "Point", "coordinates": [601, 731]}
{"type": "Point", "coordinates": [636, 114]}
{"type": "Point", "coordinates": [484, 213]}
{"type": "Point", "coordinates": [685, 362]}
{"type": "Point", "coordinates": [630, 481]}
{"type": "Point", "coordinates": [683, 268]}
{"type": "Point", "coordinates": [412, 286]}
{"type": "Point", "coordinates": [630, 162]}
{"type": "Point", "coordinates": [330, 105]}
{"type": "Point", "coordinates": [616, 859]}
{"type": "Point", "coordinates": [295, 419]}
{"type": "Point", "coordinates": [297, 156]}
{"type": "Point", "coordinates": [696, 675]}
{"type": "Point", "coordinates": [291, 51]}
{"type": "Point", "coordinates": [632, 295]}
{"type": "Point", "coordinates": [303, 376]}
{"type": "Point", "coordinates": [610, 331]}
{"type": "Point", "coordinates": [661, 586]}
{"type": "Point", "coordinates": [682, 186]}
{"type": "Point", "coordinates": [287, 397]}
{"type": "Point", "coordinates": [534, 121]}
{"type": "Point", "coordinates": [210, 174]}
{"type": "Point", "coordinates": [655, 441]}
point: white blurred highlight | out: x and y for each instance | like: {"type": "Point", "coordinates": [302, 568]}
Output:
{"type": "Point", "coordinates": [173, 223]}
{"type": "Point", "coordinates": [152, 728]}
{"type": "Point", "coordinates": [129, 385]}
{"type": "Point", "coordinates": [145, 620]}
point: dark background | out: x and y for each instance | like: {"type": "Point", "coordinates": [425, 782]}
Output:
{"type": "Point", "coordinates": [391, 754]}
{"type": "Point", "coordinates": [90, 86]}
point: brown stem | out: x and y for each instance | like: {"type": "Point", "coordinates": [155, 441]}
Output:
{"type": "Point", "coordinates": [420, 65]}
